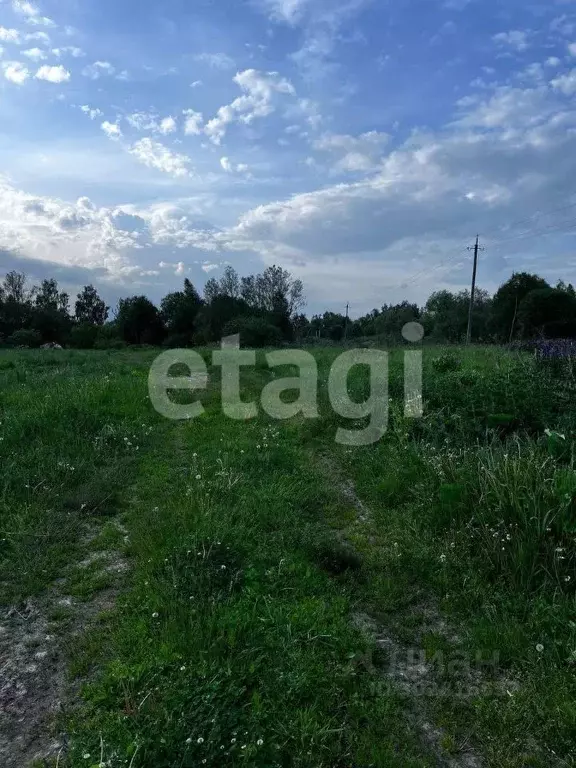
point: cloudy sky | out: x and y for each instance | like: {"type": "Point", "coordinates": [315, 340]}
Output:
{"type": "Point", "coordinates": [361, 144]}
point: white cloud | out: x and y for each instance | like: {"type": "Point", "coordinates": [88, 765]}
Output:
{"type": "Point", "coordinates": [72, 50]}
{"type": "Point", "coordinates": [53, 74]}
{"type": "Point", "coordinates": [15, 72]}
{"type": "Point", "coordinates": [69, 234]}
{"type": "Point", "coordinates": [553, 61]}
{"type": "Point", "coordinates": [216, 60]}
{"type": "Point", "coordinates": [209, 267]}
{"type": "Point", "coordinates": [516, 39]}
{"type": "Point", "coordinates": [41, 21]}
{"type": "Point", "coordinates": [98, 69]}
{"type": "Point", "coordinates": [92, 113]}
{"type": "Point", "coordinates": [143, 121]}
{"type": "Point", "coordinates": [230, 167]}
{"type": "Point", "coordinates": [289, 11]}
{"type": "Point", "coordinates": [193, 124]}
{"type": "Point", "coordinates": [196, 84]}
{"type": "Point", "coordinates": [167, 125]}
{"type": "Point", "coordinates": [259, 90]}
{"type": "Point", "coordinates": [566, 83]}
{"type": "Point", "coordinates": [24, 8]}
{"type": "Point", "coordinates": [357, 153]}
{"type": "Point", "coordinates": [9, 35]}
{"type": "Point", "coordinates": [42, 37]}
{"type": "Point", "coordinates": [572, 49]}
{"type": "Point", "coordinates": [180, 268]}
{"type": "Point", "coordinates": [112, 130]}
{"type": "Point", "coordinates": [156, 155]}
{"type": "Point", "coordinates": [36, 54]}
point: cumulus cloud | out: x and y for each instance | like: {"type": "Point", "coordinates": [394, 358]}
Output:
{"type": "Point", "coordinates": [71, 234]}
{"type": "Point", "coordinates": [167, 125]}
{"type": "Point", "coordinates": [156, 155]}
{"type": "Point", "coordinates": [15, 72]}
{"type": "Point", "coordinates": [25, 8]}
{"type": "Point", "coordinates": [36, 54]}
{"type": "Point", "coordinates": [112, 130]}
{"type": "Point", "coordinates": [53, 74]}
{"type": "Point", "coordinates": [9, 35]}
{"type": "Point", "coordinates": [230, 167]}
{"type": "Point", "coordinates": [99, 69]}
{"type": "Point", "coordinates": [91, 112]}
{"type": "Point", "coordinates": [259, 90]}
{"type": "Point", "coordinates": [565, 83]}
{"type": "Point", "coordinates": [355, 153]}
{"type": "Point", "coordinates": [516, 39]}
{"type": "Point", "coordinates": [216, 60]}
{"type": "Point", "coordinates": [72, 50]}
{"type": "Point", "coordinates": [193, 123]}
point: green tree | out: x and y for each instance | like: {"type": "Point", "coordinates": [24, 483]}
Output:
{"type": "Point", "coordinates": [547, 312]}
{"type": "Point", "coordinates": [139, 321]}
{"type": "Point", "coordinates": [507, 300]}
{"type": "Point", "coordinates": [179, 311]}
{"type": "Point", "coordinates": [90, 308]}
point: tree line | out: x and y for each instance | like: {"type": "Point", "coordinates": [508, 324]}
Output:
{"type": "Point", "coordinates": [265, 309]}
{"type": "Point", "coordinates": [524, 307]}
{"type": "Point", "coordinates": [260, 307]}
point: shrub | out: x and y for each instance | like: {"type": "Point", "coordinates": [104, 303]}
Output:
{"type": "Point", "coordinates": [83, 336]}
{"type": "Point", "coordinates": [254, 332]}
{"type": "Point", "coordinates": [25, 338]}
{"type": "Point", "coordinates": [176, 341]}
{"type": "Point", "coordinates": [446, 363]}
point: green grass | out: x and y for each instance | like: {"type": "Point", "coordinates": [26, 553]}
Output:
{"type": "Point", "coordinates": [233, 640]}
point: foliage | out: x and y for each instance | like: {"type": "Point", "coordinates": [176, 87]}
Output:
{"type": "Point", "coordinates": [254, 332]}
{"type": "Point", "coordinates": [446, 362]}
{"type": "Point", "coordinates": [548, 313]}
{"type": "Point", "coordinates": [90, 308]}
{"type": "Point", "coordinates": [83, 336]}
{"type": "Point", "coordinates": [139, 321]}
{"type": "Point", "coordinates": [179, 312]}
{"type": "Point", "coordinates": [25, 338]}
{"type": "Point", "coordinates": [507, 300]}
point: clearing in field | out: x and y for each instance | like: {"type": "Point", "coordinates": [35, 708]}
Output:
{"type": "Point", "coordinates": [213, 592]}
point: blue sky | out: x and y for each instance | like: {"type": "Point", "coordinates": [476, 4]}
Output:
{"type": "Point", "coordinates": [361, 144]}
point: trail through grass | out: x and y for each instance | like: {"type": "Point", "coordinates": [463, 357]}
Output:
{"type": "Point", "coordinates": [249, 593]}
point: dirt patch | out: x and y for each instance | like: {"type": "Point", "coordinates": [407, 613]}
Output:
{"type": "Point", "coordinates": [33, 664]}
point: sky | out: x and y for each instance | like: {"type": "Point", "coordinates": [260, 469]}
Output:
{"type": "Point", "coordinates": [360, 144]}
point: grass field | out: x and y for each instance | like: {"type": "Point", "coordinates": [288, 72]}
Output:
{"type": "Point", "coordinates": [223, 593]}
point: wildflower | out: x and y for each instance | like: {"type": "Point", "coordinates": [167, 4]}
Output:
{"type": "Point", "coordinates": [198, 477]}
{"type": "Point", "coordinates": [188, 741]}
{"type": "Point", "coordinates": [182, 669]}
{"type": "Point", "coordinates": [442, 558]}
{"type": "Point", "coordinates": [86, 756]}
{"type": "Point", "coordinates": [567, 578]}
{"type": "Point", "coordinates": [154, 615]}
{"type": "Point", "coordinates": [200, 740]}
{"type": "Point", "coordinates": [539, 647]}
{"type": "Point", "coordinates": [260, 742]}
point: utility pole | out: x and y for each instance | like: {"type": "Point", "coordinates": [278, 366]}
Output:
{"type": "Point", "coordinates": [475, 248]}
{"type": "Point", "coordinates": [346, 325]}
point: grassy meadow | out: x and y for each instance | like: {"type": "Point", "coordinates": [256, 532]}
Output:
{"type": "Point", "coordinates": [223, 593]}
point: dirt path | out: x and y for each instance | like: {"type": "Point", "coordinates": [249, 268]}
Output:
{"type": "Point", "coordinates": [35, 639]}
{"type": "Point", "coordinates": [406, 668]}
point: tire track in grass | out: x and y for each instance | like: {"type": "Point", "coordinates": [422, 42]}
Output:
{"type": "Point", "coordinates": [390, 658]}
